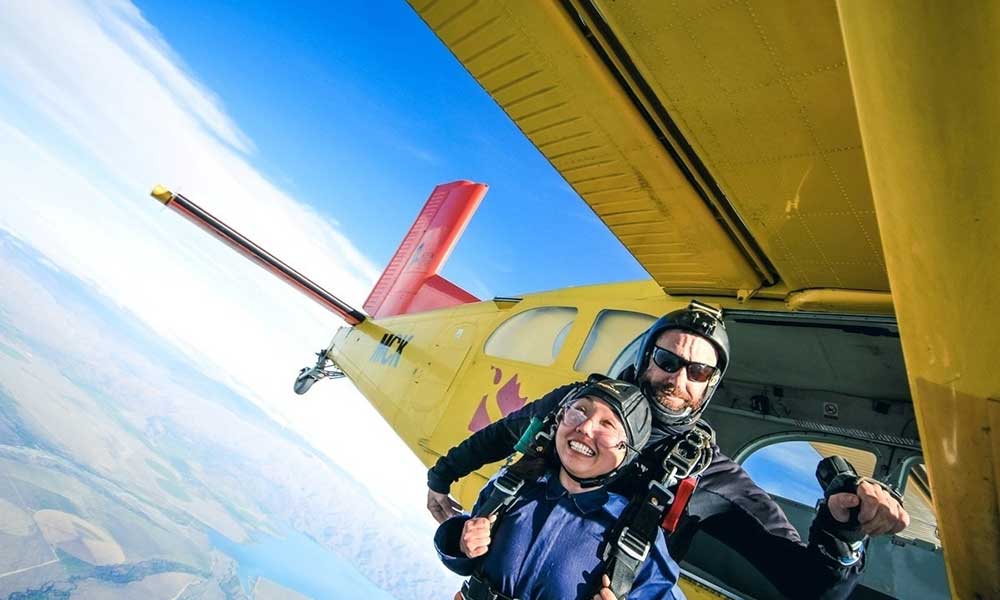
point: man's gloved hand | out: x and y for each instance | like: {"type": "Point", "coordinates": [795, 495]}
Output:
{"type": "Point", "coordinates": [854, 508]}
{"type": "Point", "coordinates": [879, 512]}
{"type": "Point", "coordinates": [442, 506]}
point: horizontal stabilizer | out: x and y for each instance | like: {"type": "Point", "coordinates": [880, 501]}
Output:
{"type": "Point", "coordinates": [410, 283]}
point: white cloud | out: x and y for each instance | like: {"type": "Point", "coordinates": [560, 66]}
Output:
{"type": "Point", "coordinates": [94, 110]}
{"type": "Point", "coordinates": [124, 23]}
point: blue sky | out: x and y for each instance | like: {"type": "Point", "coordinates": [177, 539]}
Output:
{"type": "Point", "coordinates": [787, 469]}
{"type": "Point", "coordinates": [357, 109]}
{"type": "Point", "coordinates": [316, 133]}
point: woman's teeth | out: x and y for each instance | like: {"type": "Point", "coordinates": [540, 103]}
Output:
{"type": "Point", "coordinates": [581, 448]}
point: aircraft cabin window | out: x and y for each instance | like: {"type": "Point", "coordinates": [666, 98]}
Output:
{"type": "Point", "coordinates": [534, 336]}
{"type": "Point", "coordinates": [612, 329]}
{"type": "Point", "coordinates": [626, 357]}
{"type": "Point", "coordinates": [917, 500]}
{"type": "Point", "coordinates": [788, 469]}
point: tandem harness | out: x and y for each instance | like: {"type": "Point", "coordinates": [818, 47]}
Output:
{"type": "Point", "coordinates": [673, 475]}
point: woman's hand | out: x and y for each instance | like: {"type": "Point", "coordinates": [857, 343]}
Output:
{"type": "Point", "coordinates": [475, 539]}
{"type": "Point", "coordinates": [605, 592]}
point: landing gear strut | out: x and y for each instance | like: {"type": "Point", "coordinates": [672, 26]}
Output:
{"type": "Point", "coordinates": [323, 368]}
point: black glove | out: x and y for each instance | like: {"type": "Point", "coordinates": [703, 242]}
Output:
{"type": "Point", "coordinates": [837, 476]}
{"type": "Point", "coordinates": [841, 542]}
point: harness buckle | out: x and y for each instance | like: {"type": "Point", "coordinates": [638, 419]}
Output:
{"type": "Point", "coordinates": [508, 483]}
{"type": "Point", "coordinates": [689, 455]}
{"type": "Point", "coordinates": [632, 545]}
{"type": "Point", "coordinates": [664, 488]}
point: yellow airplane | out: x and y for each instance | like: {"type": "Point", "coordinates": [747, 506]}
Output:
{"type": "Point", "coordinates": [822, 171]}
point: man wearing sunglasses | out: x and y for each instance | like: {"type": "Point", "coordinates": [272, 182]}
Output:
{"type": "Point", "coordinates": [680, 362]}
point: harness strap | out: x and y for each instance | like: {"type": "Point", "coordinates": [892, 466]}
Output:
{"type": "Point", "coordinates": [505, 491]}
{"type": "Point", "coordinates": [663, 504]}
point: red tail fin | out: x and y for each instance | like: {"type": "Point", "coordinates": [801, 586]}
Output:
{"type": "Point", "coordinates": [411, 282]}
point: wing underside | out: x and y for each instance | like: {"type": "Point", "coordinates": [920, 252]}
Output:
{"type": "Point", "coordinates": [718, 141]}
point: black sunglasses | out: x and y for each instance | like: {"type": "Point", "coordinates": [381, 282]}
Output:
{"type": "Point", "coordinates": [671, 363]}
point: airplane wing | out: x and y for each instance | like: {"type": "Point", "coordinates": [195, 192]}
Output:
{"type": "Point", "coordinates": [718, 141]}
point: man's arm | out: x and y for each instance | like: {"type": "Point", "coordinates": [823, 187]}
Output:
{"type": "Point", "coordinates": [745, 518]}
{"type": "Point", "coordinates": [737, 512]}
{"type": "Point", "coordinates": [492, 443]}
{"type": "Point", "coordinates": [797, 571]}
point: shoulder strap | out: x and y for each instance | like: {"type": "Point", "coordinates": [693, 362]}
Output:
{"type": "Point", "coordinates": [680, 461]}
{"type": "Point", "coordinates": [506, 488]}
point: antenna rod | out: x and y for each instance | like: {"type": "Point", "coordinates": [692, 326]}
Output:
{"type": "Point", "coordinates": [232, 238]}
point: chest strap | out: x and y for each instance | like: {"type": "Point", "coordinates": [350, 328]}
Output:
{"type": "Point", "coordinates": [680, 461]}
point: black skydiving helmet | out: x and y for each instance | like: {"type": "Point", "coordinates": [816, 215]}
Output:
{"type": "Point", "coordinates": [702, 320]}
{"type": "Point", "coordinates": [631, 407]}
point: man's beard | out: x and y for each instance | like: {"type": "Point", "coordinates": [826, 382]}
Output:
{"type": "Point", "coordinates": [667, 396]}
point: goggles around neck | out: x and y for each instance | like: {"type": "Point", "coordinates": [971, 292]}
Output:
{"type": "Point", "coordinates": [671, 363]}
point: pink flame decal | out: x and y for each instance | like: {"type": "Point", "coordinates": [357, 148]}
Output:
{"type": "Point", "coordinates": [480, 419]}
{"type": "Point", "coordinates": [509, 396]}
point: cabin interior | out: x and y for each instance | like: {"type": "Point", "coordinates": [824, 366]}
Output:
{"type": "Point", "coordinates": [823, 384]}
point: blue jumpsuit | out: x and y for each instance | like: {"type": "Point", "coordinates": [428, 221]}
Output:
{"type": "Point", "coordinates": [546, 546]}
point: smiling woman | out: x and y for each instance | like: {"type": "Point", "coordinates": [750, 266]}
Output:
{"type": "Point", "coordinates": [535, 531]}
{"type": "Point", "coordinates": [591, 442]}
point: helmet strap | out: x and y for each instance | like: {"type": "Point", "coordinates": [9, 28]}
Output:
{"type": "Point", "coordinates": [593, 482]}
